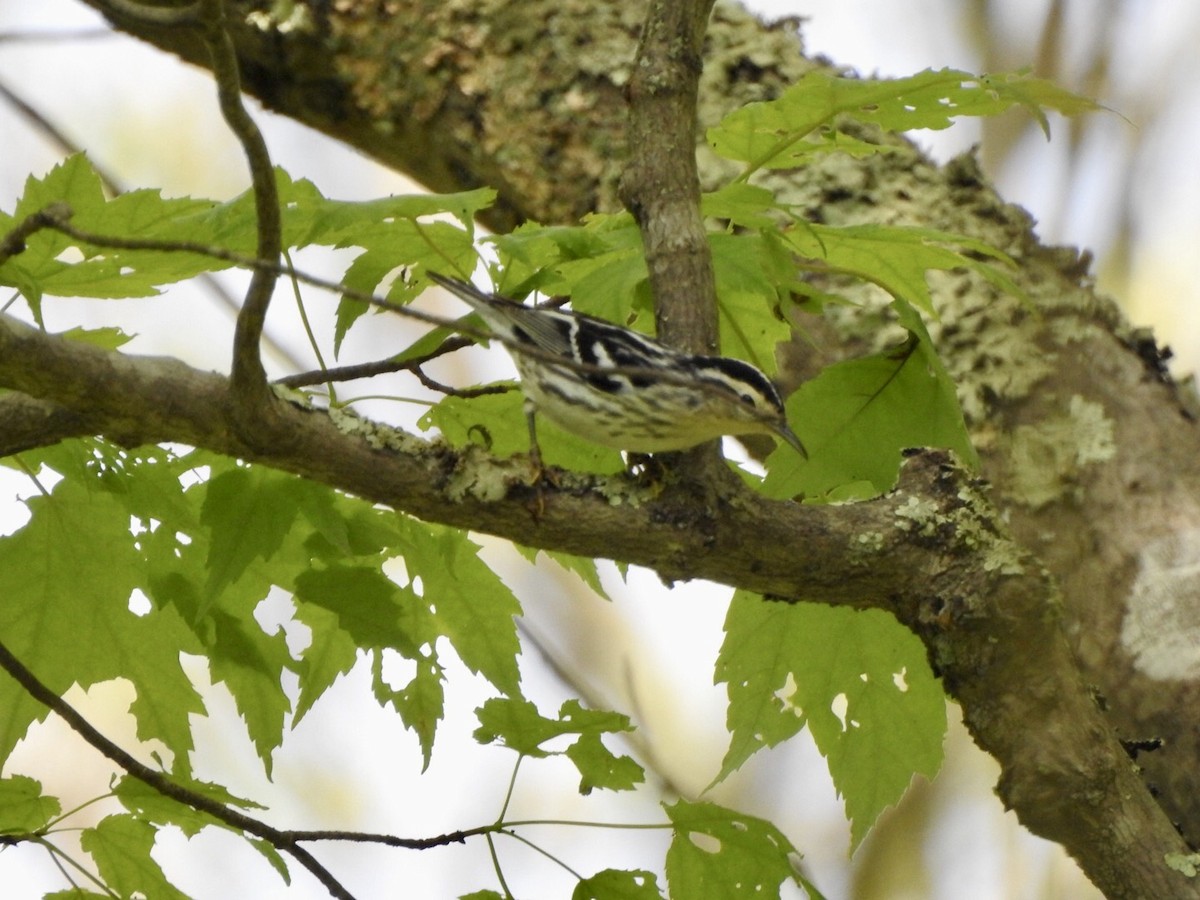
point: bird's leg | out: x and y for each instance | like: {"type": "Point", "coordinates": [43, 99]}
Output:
{"type": "Point", "coordinates": [535, 458]}
{"type": "Point", "coordinates": [535, 452]}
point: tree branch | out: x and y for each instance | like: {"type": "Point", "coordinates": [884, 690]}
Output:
{"type": "Point", "coordinates": [251, 394]}
{"type": "Point", "coordinates": [942, 565]}
{"type": "Point", "coordinates": [661, 184]}
{"type": "Point", "coordinates": [661, 187]}
{"type": "Point", "coordinates": [159, 782]}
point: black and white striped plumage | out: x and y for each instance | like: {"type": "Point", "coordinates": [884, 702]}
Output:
{"type": "Point", "coordinates": [632, 392]}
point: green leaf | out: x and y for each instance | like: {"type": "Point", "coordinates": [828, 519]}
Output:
{"type": "Point", "coordinates": [268, 852]}
{"type": "Point", "coordinates": [402, 242]}
{"type": "Point", "coordinates": [609, 286]}
{"type": "Point", "coordinates": [742, 204]}
{"type": "Point", "coordinates": [895, 258]}
{"type": "Point", "coordinates": [482, 895]}
{"type": "Point", "coordinates": [782, 133]}
{"type": "Point", "coordinates": [856, 418]}
{"type": "Point", "coordinates": [248, 511]}
{"type": "Point", "coordinates": [150, 805]}
{"type": "Point", "coordinates": [371, 609]}
{"type": "Point", "coordinates": [618, 884]}
{"type": "Point", "coordinates": [105, 338]}
{"type": "Point", "coordinates": [584, 567]}
{"type": "Point", "coordinates": [516, 724]}
{"type": "Point", "coordinates": [331, 654]}
{"type": "Point", "coordinates": [420, 704]}
{"type": "Point", "coordinates": [367, 223]}
{"type": "Point", "coordinates": [471, 605]}
{"type": "Point", "coordinates": [24, 809]}
{"type": "Point", "coordinates": [858, 679]}
{"type": "Point", "coordinates": [250, 663]}
{"type": "Point", "coordinates": [720, 854]}
{"type": "Point", "coordinates": [104, 273]}
{"type": "Point", "coordinates": [497, 421]}
{"type": "Point", "coordinates": [748, 268]}
{"type": "Point", "coordinates": [358, 606]}
{"type": "Point", "coordinates": [66, 578]}
{"type": "Point", "coordinates": [601, 768]}
{"type": "Point", "coordinates": [121, 847]}
{"type": "Point", "coordinates": [1037, 95]}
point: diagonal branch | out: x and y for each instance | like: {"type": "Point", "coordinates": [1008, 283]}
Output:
{"type": "Point", "coordinates": [279, 839]}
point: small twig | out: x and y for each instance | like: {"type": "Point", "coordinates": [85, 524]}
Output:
{"type": "Point", "coordinates": [466, 393]}
{"type": "Point", "coordinates": [248, 377]}
{"type": "Point", "coordinates": [387, 367]}
{"type": "Point", "coordinates": [58, 857]}
{"type": "Point", "coordinates": [371, 369]}
{"type": "Point", "coordinates": [13, 243]}
{"type": "Point", "coordinates": [159, 782]}
{"type": "Point", "coordinates": [33, 35]}
{"type": "Point", "coordinates": [362, 837]}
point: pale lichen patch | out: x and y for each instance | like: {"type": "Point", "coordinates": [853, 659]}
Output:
{"type": "Point", "coordinates": [1049, 457]}
{"type": "Point", "coordinates": [376, 434]}
{"type": "Point", "coordinates": [1161, 628]}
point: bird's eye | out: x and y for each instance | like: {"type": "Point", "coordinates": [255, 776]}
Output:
{"type": "Point", "coordinates": [748, 399]}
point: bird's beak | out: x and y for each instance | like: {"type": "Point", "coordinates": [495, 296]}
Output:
{"type": "Point", "coordinates": [788, 435]}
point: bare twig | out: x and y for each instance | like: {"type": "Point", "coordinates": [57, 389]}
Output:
{"type": "Point", "coordinates": [435, 385]}
{"type": "Point", "coordinates": [371, 369]}
{"type": "Point", "coordinates": [363, 837]}
{"type": "Point", "coordinates": [33, 35]}
{"type": "Point", "coordinates": [13, 243]}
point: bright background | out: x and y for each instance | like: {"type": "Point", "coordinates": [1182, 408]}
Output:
{"type": "Point", "coordinates": [1124, 186]}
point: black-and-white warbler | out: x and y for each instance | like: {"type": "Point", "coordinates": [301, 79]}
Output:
{"type": "Point", "coordinates": [618, 388]}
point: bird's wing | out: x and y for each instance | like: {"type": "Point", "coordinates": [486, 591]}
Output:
{"type": "Point", "coordinates": [548, 332]}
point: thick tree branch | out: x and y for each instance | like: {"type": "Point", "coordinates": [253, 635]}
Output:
{"type": "Point", "coordinates": [983, 607]}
